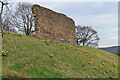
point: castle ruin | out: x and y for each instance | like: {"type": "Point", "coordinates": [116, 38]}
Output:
{"type": "Point", "coordinates": [53, 26]}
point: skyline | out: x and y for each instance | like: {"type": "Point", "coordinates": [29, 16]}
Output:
{"type": "Point", "coordinates": [65, 0]}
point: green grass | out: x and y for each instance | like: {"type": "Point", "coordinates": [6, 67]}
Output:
{"type": "Point", "coordinates": [29, 58]}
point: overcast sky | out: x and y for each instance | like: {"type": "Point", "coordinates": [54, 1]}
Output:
{"type": "Point", "coordinates": [101, 16]}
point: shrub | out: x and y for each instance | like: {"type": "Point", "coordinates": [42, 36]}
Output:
{"type": "Point", "coordinates": [19, 35]}
{"type": "Point", "coordinates": [46, 41]}
{"type": "Point", "coordinates": [14, 35]}
{"type": "Point", "coordinates": [86, 54]}
{"type": "Point", "coordinates": [66, 47]}
{"type": "Point", "coordinates": [103, 63]}
{"type": "Point", "coordinates": [83, 65]}
{"type": "Point", "coordinates": [114, 65]}
{"type": "Point", "coordinates": [57, 42]}
{"type": "Point", "coordinates": [62, 45]}
{"type": "Point", "coordinates": [106, 71]}
{"type": "Point", "coordinates": [111, 77]}
{"type": "Point", "coordinates": [8, 32]}
{"type": "Point", "coordinates": [90, 62]}
{"type": "Point", "coordinates": [91, 59]}
{"type": "Point", "coordinates": [100, 66]}
{"type": "Point", "coordinates": [71, 46]}
{"type": "Point", "coordinates": [95, 67]}
{"type": "Point", "coordinates": [4, 53]}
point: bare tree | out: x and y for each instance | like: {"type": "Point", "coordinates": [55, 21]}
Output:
{"type": "Point", "coordinates": [23, 18]}
{"type": "Point", "coordinates": [86, 36]}
{"type": "Point", "coordinates": [1, 11]}
{"type": "Point", "coordinates": [6, 17]}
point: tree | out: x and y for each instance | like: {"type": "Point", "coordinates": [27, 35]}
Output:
{"type": "Point", "coordinates": [86, 36]}
{"type": "Point", "coordinates": [6, 18]}
{"type": "Point", "coordinates": [1, 11]}
{"type": "Point", "coordinates": [23, 18]}
{"type": "Point", "coordinates": [6, 11]}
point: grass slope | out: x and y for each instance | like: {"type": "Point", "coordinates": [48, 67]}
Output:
{"type": "Point", "coordinates": [29, 58]}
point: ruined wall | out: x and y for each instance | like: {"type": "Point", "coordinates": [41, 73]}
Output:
{"type": "Point", "coordinates": [53, 26]}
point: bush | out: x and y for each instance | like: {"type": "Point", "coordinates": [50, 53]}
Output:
{"type": "Point", "coordinates": [4, 53]}
{"type": "Point", "coordinates": [46, 41]}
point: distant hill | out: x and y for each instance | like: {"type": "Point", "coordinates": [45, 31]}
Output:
{"type": "Point", "coordinates": [113, 49]}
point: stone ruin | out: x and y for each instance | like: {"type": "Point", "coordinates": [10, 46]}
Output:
{"type": "Point", "coordinates": [53, 26]}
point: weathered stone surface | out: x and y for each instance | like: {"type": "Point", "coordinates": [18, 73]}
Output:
{"type": "Point", "coordinates": [53, 26]}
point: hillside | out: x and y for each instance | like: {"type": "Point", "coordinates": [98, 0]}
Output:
{"type": "Point", "coordinates": [113, 49]}
{"type": "Point", "coordinates": [28, 57]}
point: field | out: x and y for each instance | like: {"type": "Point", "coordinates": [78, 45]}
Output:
{"type": "Point", "coordinates": [29, 57]}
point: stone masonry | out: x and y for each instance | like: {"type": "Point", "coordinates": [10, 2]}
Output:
{"type": "Point", "coordinates": [53, 26]}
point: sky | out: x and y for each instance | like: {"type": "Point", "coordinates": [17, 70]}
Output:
{"type": "Point", "coordinates": [101, 16]}
{"type": "Point", "coordinates": [65, 0]}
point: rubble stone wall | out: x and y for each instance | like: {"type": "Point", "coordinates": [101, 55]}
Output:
{"type": "Point", "coordinates": [53, 26]}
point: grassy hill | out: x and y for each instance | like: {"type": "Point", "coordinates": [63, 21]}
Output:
{"type": "Point", "coordinates": [28, 57]}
